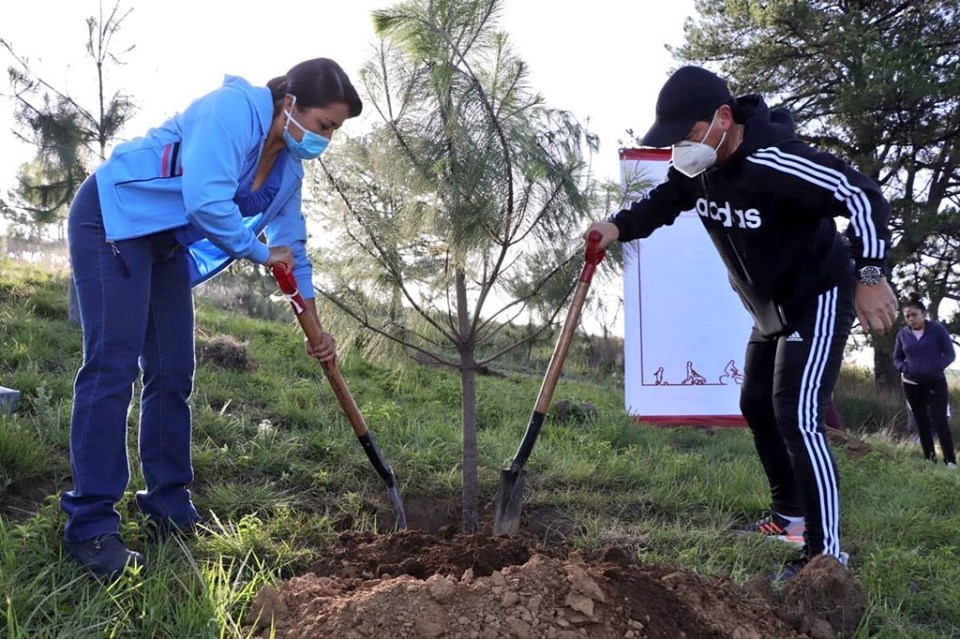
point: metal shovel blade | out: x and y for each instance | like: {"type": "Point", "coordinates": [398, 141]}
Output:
{"type": "Point", "coordinates": [513, 479]}
{"type": "Point", "coordinates": [509, 501]}
{"type": "Point", "coordinates": [386, 473]}
{"type": "Point", "coordinates": [394, 496]}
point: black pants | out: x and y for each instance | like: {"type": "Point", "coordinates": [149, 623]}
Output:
{"type": "Point", "coordinates": [928, 403]}
{"type": "Point", "coordinates": [788, 381]}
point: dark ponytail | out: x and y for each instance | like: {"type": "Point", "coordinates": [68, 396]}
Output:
{"type": "Point", "coordinates": [278, 87]}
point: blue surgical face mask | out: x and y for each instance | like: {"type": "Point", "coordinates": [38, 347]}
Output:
{"type": "Point", "coordinates": [310, 146]}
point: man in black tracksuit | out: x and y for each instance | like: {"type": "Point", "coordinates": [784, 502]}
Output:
{"type": "Point", "coordinates": [768, 203]}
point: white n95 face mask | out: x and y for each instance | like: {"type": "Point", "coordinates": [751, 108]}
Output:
{"type": "Point", "coordinates": [693, 158]}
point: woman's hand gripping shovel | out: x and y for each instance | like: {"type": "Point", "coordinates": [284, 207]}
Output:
{"type": "Point", "coordinates": [510, 493]}
{"type": "Point", "coordinates": [311, 327]}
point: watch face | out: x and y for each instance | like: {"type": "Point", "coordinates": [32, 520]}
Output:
{"type": "Point", "coordinates": [870, 274]}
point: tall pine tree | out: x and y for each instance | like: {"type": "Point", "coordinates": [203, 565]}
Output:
{"type": "Point", "coordinates": [461, 211]}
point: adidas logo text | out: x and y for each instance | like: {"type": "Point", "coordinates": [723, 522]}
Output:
{"type": "Point", "coordinates": [794, 337]}
{"type": "Point", "coordinates": [727, 215]}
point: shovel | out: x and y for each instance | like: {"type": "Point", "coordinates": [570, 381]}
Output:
{"type": "Point", "coordinates": [510, 493]}
{"type": "Point", "coordinates": [311, 327]}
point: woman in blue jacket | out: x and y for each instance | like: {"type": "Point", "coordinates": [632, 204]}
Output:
{"type": "Point", "coordinates": [165, 212]}
{"type": "Point", "coordinates": [923, 351]}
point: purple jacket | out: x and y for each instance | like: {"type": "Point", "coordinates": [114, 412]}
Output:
{"type": "Point", "coordinates": [924, 359]}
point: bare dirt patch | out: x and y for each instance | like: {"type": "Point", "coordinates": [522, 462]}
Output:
{"type": "Point", "coordinates": [414, 584]}
{"type": "Point", "coordinates": [853, 446]}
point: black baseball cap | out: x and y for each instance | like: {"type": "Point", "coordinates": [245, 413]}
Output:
{"type": "Point", "coordinates": [689, 95]}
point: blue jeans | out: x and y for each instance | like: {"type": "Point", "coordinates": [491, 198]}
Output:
{"type": "Point", "coordinates": [136, 309]}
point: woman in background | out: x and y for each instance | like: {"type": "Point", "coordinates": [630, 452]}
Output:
{"type": "Point", "coordinates": [922, 353]}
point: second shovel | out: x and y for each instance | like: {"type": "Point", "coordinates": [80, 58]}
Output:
{"type": "Point", "coordinates": [510, 492]}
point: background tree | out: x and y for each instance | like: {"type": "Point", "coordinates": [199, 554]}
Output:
{"type": "Point", "coordinates": [877, 83]}
{"type": "Point", "coordinates": [460, 212]}
{"type": "Point", "coordinates": [68, 136]}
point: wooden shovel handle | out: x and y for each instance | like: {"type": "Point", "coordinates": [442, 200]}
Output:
{"type": "Point", "coordinates": [594, 255]}
{"type": "Point", "coordinates": [314, 332]}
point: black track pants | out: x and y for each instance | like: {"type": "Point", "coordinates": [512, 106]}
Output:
{"type": "Point", "coordinates": [788, 381]}
{"type": "Point", "coordinates": [928, 403]}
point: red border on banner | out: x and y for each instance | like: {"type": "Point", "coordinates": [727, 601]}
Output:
{"type": "Point", "coordinates": [691, 420]}
{"type": "Point", "coordinates": [645, 153]}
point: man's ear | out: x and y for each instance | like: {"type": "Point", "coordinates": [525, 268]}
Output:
{"type": "Point", "coordinates": [725, 116]}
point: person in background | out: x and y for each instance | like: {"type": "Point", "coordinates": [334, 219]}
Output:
{"type": "Point", "coordinates": [922, 353]}
{"type": "Point", "coordinates": [768, 203]}
{"type": "Point", "coordinates": [167, 211]}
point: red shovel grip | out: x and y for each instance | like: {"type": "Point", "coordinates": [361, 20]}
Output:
{"type": "Point", "coordinates": [288, 284]}
{"type": "Point", "coordinates": [593, 257]}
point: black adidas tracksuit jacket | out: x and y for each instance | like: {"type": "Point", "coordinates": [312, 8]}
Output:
{"type": "Point", "coordinates": [769, 210]}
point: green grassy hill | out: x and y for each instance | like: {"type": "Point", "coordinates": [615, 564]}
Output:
{"type": "Point", "coordinates": [275, 457]}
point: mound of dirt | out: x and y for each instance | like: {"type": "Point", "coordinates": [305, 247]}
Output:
{"type": "Point", "coordinates": [852, 445]}
{"type": "Point", "coordinates": [413, 585]}
{"type": "Point", "coordinates": [823, 600]}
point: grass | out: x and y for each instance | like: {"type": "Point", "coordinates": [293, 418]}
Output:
{"type": "Point", "coordinates": [277, 461]}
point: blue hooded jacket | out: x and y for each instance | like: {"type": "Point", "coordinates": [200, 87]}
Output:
{"type": "Point", "coordinates": [924, 359]}
{"type": "Point", "coordinates": [185, 175]}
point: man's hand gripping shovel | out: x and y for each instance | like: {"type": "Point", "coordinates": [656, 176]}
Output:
{"type": "Point", "coordinates": [311, 327]}
{"type": "Point", "coordinates": [510, 492]}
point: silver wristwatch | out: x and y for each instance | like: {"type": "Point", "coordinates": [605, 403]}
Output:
{"type": "Point", "coordinates": [870, 275]}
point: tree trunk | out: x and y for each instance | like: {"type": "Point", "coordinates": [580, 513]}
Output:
{"type": "Point", "coordinates": [468, 410]}
{"type": "Point", "coordinates": [471, 499]}
{"type": "Point", "coordinates": [886, 377]}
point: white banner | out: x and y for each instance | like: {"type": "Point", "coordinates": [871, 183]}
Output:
{"type": "Point", "coordinates": [685, 329]}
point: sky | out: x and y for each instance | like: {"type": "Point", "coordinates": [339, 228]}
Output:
{"type": "Point", "coordinates": [603, 60]}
